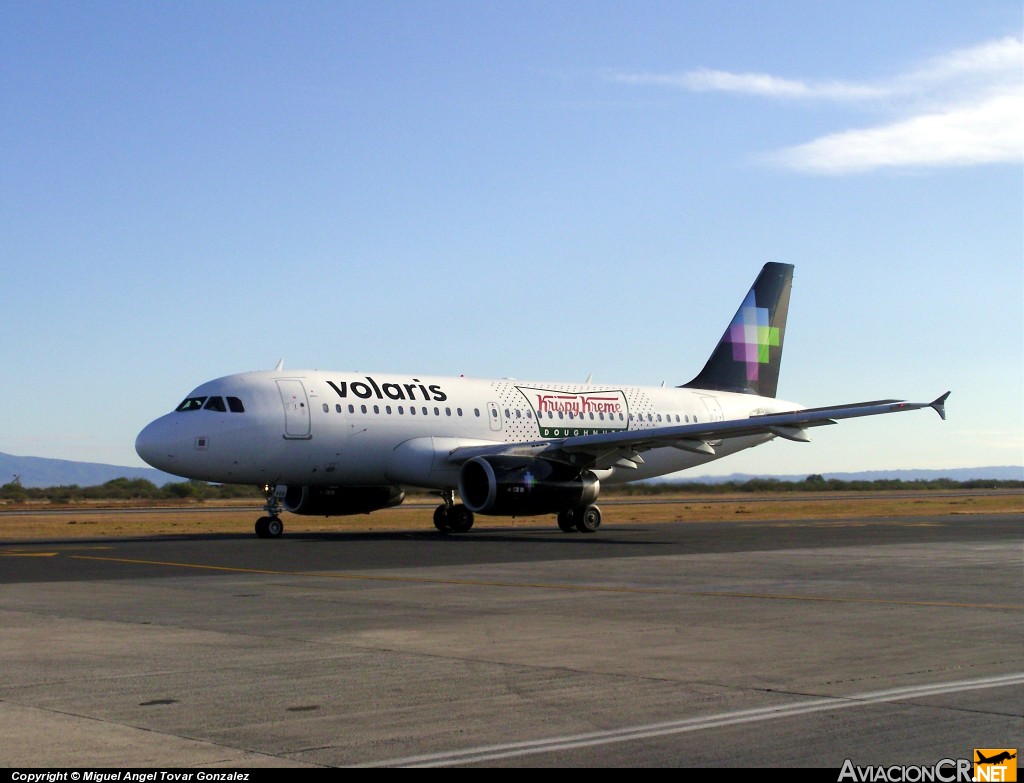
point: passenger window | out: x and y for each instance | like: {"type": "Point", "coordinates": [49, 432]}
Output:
{"type": "Point", "coordinates": [235, 405]}
{"type": "Point", "coordinates": [327, 408]}
{"type": "Point", "coordinates": [351, 408]}
{"type": "Point", "coordinates": [387, 409]}
{"type": "Point", "coordinates": [191, 404]}
{"type": "Point", "coordinates": [412, 410]}
{"type": "Point", "coordinates": [338, 407]}
{"type": "Point", "coordinates": [401, 409]}
{"type": "Point", "coordinates": [447, 411]}
{"type": "Point", "coordinates": [376, 409]}
{"type": "Point", "coordinates": [215, 404]}
{"type": "Point", "coordinates": [437, 411]}
{"type": "Point", "coordinates": [477, 412]}
{"type": "Point", "coordinates": [424, 410]}
{"type": "Point", "coordinates": [508, 414]}
{"type": "Point", "coordinates": [362, 409]}
{"type": "Point", "coordinates": [458, 411]}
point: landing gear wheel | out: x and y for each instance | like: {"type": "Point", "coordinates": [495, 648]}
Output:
{"type": "Point", "coordinates": [460, 519]}
{"type": "Point", "coordinates": [565, 521]}
{"type": "Point", "coordinates": [269, 527]}
{"type": "Point", "coordinates": [588, 519]}
{"type": "Point", "coordinates": [441, 521]}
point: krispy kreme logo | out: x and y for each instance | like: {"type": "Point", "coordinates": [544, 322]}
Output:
{"type": "Point", "coordinates": [563, 414]}
{"type": "Point", "coordinates": [578, 403]}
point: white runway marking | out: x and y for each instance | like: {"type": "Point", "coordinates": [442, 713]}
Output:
{"type": "Point", "coordinates": [530, 747]}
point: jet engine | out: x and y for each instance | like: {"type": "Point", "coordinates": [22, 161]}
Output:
{"type": "Point", "coordinates": [338, 501]}
{"type": "Point", "coordinates": [517, 486]}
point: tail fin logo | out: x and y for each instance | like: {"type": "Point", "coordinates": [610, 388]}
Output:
{"type": "Point", "coordinates": [751, 336]}
{"type": "Point", "coordinates": [747, 358]}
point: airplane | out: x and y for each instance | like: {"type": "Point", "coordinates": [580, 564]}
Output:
{"type": "Point", "coordinates": [996, 759]}
{"type": "Point", "coordinates": [336, 443]}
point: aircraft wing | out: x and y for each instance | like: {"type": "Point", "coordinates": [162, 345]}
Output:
{"type": "Point", "coordinates": [623, 449]}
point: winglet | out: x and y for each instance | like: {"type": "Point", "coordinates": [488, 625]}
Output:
{"type": "Point", "coordinates": [939, 406]}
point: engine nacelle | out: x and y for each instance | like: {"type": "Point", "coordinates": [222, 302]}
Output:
{"type": "Point", "coordinates": [517, 486]}
{"type": "Point", "coordinates": [338, 501]}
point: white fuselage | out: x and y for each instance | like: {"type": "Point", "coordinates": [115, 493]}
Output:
{"type": "Point", "coordinates": [316, 428]}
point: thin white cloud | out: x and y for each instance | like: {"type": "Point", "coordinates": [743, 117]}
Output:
{"type": "Point", "coordinates": [964, 108]}
{"type": "Point", "coordinates": [708, 80]}
{"type": "Point", "coordinates": [1002, 58]}
{"type": "Point", "coordinates": [989, 132]}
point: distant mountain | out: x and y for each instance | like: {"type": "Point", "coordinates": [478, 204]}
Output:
{"type": "Point", "coordinates": [43, 472]}
{"type": "Point", "coordinates": [999, 473]}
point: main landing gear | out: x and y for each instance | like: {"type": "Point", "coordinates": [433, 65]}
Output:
{"type": "Point", "coordinates": [270, 526]}
{"type": "Point", "coordinates": [585, 519]}
{"type": "Point", "coordinates": [451, 518]}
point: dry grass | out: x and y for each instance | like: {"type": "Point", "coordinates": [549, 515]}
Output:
{"type": "Point", "coordinates": [92, 521]}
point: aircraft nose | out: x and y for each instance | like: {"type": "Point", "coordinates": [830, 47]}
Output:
{"type": "Point", "coordinates": [156, 445]}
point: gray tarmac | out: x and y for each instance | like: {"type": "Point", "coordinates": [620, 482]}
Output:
{"type": "Point", "coordinates": [782, 643]}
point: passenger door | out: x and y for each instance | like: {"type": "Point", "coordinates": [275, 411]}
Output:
{"type": "Point", "coordinates": [296, 409]}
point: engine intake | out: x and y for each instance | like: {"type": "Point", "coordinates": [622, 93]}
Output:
{"type": "Point", "coordinates": [514, 486]}
{"type": "Point", "coordinates": [339, 501]}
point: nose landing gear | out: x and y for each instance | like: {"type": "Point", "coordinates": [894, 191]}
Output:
{"type": "Point", "coordinates": [270, 526]}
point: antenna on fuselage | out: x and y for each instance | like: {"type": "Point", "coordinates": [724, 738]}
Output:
{"type": "Point", "coordinates": [280, 365]}
{"type": "Point", "coordinates": [589, 379]}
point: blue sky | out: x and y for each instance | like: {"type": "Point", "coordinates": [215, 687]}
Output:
{"type": "Point", "coordinates": [538, 190]}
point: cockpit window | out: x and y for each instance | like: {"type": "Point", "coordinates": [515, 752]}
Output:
{"type": "Point", "coordinates": [235, 405]}
{"type": "Point", "coordinates": [191, 404]}
{"type": "Point", "coordinates": [215, 404]}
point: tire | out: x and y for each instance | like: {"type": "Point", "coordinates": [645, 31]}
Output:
{"type": "Point", "coordinates": [263, 527]}
{"type": "Point", "coordinates": [565, 521]}
{"type": "Point", "coordinates": [275, 527]}
{"type": "Point", "coordinates": [441, 521]}
{"type": "Point", "coordinates": [460, 519]}
{"type": "Point", "coordinates": [588, 519]}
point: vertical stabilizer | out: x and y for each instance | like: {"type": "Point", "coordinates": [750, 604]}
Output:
{"type": "Point", "coordinates": [748, 356]}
